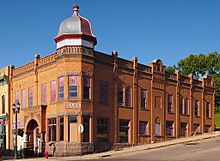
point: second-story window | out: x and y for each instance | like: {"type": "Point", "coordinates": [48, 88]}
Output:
{"type": "Point", "coordinates": [23, 98]}
{"type": "Point", "coordinates": [53, 91]}
{"type": "Point", "coordinates": [30, 97]}
{"type": "Point", "coordinates": [208, 110]}
{"type": "Point", "coordinates": [73, 87]}
{"type": "Point", "coordinates": [103, 92]}
{"type": "Point", "coordinates": [128, 96]}
{"type": "Point", "coordinates": [181, 109]}
{"type": "Point", "coordinates": [196, 108]}
{"type": "Point", "coordinates": [143, 98]}
{"type": "Point", "coordinates": [43, 94]}
{"type": "Point", "coordinates": [17, 97]}
{"type": "Point", "coordinates": [186, 106]}
{"type": "Point", "coordinates": [120, 95]}
{"type": "Point", "coordinates": [86, 87]}
{"type": "Point", "coordinates": [170, 103]}
{"type": "Point", "coordinates": [61, 88]}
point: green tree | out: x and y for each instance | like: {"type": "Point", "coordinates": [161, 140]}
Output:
{"type": "Point", "coordinates": [202, 64]}
{"type": "Point", "coordinates": [171, 69]}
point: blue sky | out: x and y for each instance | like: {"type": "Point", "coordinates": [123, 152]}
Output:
{"type": "Point", "coordinates": [149, 29]}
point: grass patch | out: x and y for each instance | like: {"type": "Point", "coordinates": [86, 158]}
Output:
{"type": "Point", "coordinates": [217, 119]}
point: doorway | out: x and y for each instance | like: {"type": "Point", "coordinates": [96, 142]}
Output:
{"type": "Point", "coordinates": [33, 136]}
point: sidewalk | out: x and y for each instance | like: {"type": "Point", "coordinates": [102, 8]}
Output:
{"type": "Point", "coordinates": [130, 149]}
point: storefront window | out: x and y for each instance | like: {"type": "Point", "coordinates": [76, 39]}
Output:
{"type": "Point", "coordinates": [52, 129]}
{"type": "Point", "coordinates": [143, 128]}
{"type": "Point", "coordinates": [124, 131]}
{"type": "Point", "coordinates": [169, 128]}
{"type": "Point", "coordinates": [102, 130]}
{"type": "Point", "coordinates": [61, 128]}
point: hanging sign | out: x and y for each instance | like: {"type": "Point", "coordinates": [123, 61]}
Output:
{"type": "Point", "coordinates": [80, 128]}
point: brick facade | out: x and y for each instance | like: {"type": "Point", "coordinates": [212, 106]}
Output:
{"type": "Point", "coordinates": [164, 94]}
{"type": "Point", "coordinates": [78, 100]}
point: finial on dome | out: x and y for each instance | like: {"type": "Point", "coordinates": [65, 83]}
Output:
{"type": "Point", "coordinates": [76, 9]}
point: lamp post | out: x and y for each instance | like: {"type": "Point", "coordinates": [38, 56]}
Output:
{"type": "Point", "coordinates": [16, 109]}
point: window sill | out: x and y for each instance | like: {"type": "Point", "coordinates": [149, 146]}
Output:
{"type": "Point", "coordinates": [144, 135]}
{"type": "Point", "coordinates": [158, 136]}
{"type": "Point", "coordinates": [86, 100]}
{"type": "Point", "coordinates": [121, 104]}
{"type": "Point", "coordinates": [53, 103]}
{"type": "Point", "coordinates": [73, 99]}
{"type": "Point", "coordinates": [127, 107]}
{"type": "Point", "coordinates": [197, 116]}
{"type": "Point", "coordinates": [167, 136]}
{"type": "Point", "coordinates": [208, 118]}
{"type": "Point", "coordinates": [171, 113]}
{"type": "Point", "coordinates": [144, 109]}
{"type": "Point", "coordinates": [184, 114]}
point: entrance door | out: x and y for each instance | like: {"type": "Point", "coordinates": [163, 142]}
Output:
{"type": "Point", "coordinates": [86, 129]}
{"type": "Point", "coordinates": [73, 128]}
{"type": "Point", "coordinates": [33, 136]}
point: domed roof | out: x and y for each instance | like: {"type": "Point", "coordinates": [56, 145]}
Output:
{"type": "Point", "coordinates": [75, 24]}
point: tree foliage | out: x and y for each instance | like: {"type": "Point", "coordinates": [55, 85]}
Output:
{"type": "Point", "coordinates": [170, 69]}
{"type": "Point", "coordinates": [202, 64]}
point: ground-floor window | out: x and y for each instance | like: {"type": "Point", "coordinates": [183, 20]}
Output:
{"type": "Point", "coordinates": [169, 128]}
{"type": "Point", "coordinates": [157, 129]}
{"type": "Point", "coordinates": [2, 137]}
{"type": "Point", "coordinates": [124, 131]}
{"type": "Point", "coordinates": [196, 128]}
{"type": "Point", "coordinates": [207, 129]}
{"type": "Point", "coordinates": [61, 128]}
{"type": "Point", "coordinates": [102, 130]}
{"type": "Point", "coordinates": [52, 129]}
{"type": "Point", "coordinates": [143, 129]}
{"type": "Point", "coordinates": [183, 129]}
{"type": "Point", "coordinates": [86, 128]}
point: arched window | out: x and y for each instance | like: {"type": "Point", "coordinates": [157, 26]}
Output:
{"type": "Point", "coordinates": [128, 96]}
{"type": "Point", "coordinates": [3, 104]}
{"type": "Point", "coordinates": [120, 95]}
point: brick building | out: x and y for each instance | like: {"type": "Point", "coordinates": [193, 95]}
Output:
{"type": "Point", "coordinates": [4, 107]}
{"type": "Point", "coordinates": [118, 102]}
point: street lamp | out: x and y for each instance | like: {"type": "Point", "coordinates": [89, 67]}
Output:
{"type": "Point", "coordinates": [16, 109]}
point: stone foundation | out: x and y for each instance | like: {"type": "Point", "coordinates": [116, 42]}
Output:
{"type": "Point", "coordinates": [119, 146]}
{"type": "Point", "coordinates": [69, 149]}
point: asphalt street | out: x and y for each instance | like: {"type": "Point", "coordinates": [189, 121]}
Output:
{"type": "Point", "coordinates": [204, 150]}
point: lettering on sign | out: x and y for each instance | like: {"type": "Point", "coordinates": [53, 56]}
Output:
{"type": "Point", "coordinates": [72, 105]}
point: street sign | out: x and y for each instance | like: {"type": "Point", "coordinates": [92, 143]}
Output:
{"type": "Point", "coordinates": [80, 128]}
